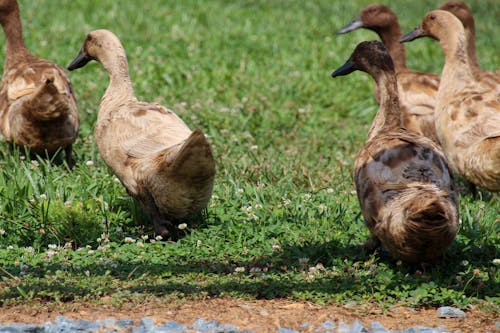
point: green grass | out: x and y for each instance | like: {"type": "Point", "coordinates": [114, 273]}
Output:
{"type": "Point", "coordinates": [284, 220]}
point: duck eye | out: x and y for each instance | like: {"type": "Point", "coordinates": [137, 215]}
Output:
{"type": "Point", "coordinates": [432, 17]}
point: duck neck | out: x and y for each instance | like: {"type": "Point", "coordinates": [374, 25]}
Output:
{"type": "Point", "coordinates": [470, 35]}
{"type": "Point", "coordinates": [120, 87]}
{"type": "Point", "coordinates": [390, 36]}
{"type": "Point", "coordinates": [15, 49]}
{"type": "Point", "coordinates": [388, 116]}
{"type": "Point", "coordinates": [456, 68]}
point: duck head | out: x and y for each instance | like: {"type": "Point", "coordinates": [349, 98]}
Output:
{"type": "Point", "coordinates": [369, 56]}
{"type": "Point", "coordinates": [435, 25]}
{"type": "Point", "coordinates": [98, 45]}
{"type": "Point", "coordinates": [373, 17]}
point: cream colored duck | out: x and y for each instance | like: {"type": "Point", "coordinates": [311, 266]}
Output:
{"type": "Point", "coordinates": [37, 105]}
{"type": "Point", "coordinates": [464, 14]}
{"type": "Point", "coordinates": [416, 90]}
{"type": "Point", "coordinates": [467, 111]}
{"type": "Point", "coordinates": [404, 186]}
{"type": "Point", "coordinates": [165, 166]}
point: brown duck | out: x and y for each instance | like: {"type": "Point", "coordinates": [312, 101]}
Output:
{"type": "Point", "coordinates": [165, 166]}
{"type": "Point", "coordinates": [404, 186]}
{"type": "Point", "coordinates": [468, 110]}
{"type": "Point", "coordinates": [37, 105]}
{"type": "Point", "coordinates": [464, 14]}
{"type": "Point", "coordinates": [416, 90]}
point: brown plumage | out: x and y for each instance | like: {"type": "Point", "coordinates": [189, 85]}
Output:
{"type": "Point", "coordinates": [404, 186]}
{"type": "Point", "coordinates": [37, 106]}
{"type": "Point", "coordinates": [165, 166]}
{"type": "Point", "coordinates": [464, 14]}
{"type": "Point", "coordinates": [416, 90]}
{"type": "Point", "coordinates": [468, 110]}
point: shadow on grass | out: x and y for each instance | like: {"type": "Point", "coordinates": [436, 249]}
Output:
{"type": "Point", "coordinates": [278, 275]}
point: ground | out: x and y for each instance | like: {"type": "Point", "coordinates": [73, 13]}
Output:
{"type": "Point", "coordinates": [257, 315]}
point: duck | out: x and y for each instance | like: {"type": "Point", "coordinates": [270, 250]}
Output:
{"type": "Point", "coordinates": [468, 110]}
{"type": "Point", "coordinates": [165, 166]}
{"type": "Point", "coordinates": [464, 14]}
{"type": "Point", "coordinates": [404, 185]}
{"type": "Point", "coordinates": [416, 90]}
{"type": "Point", "coordinates": [38, 107]}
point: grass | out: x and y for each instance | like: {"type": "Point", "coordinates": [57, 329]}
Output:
{"type": "Point", "coordinates": [284, 220]}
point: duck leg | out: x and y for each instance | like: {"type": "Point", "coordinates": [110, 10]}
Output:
{"type": "Point", "coordinates": [372, 244]}
{"type": "Point", "coordinates": [160, 224]}
{"type": "Point", "coordinates": [69, 158]}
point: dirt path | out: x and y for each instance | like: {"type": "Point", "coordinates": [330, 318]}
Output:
{"type": "Point", "coordinates": [260, 316]}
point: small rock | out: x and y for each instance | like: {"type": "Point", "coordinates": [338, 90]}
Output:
{"type": "Point", "coordinates": [450, 312]}
{"type": "Point", "coordinates": [212, 326]}
{"type": "Point", "coordinates": [173, 327]}
{"type": "Point", "coordinates": [21, 328]}
{"type": "Point", "coordinates": [376, 327]}
{"type": "Point", "coordinates": [286, 330]}
{"type": "Point", "coordinates": [357, 327]}
{"type": "Point", "coordinates": [146, 325]}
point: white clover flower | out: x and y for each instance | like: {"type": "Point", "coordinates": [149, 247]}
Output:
{"type": "Point", "coordinates": [35, 163]}
{"type": "Point", "coordinates": [43, 196]}
{"type": "Point", "coordinates": [249, 208]}
{"type": "Point", "coordinates": [67, 203]}
{"type": "Point", "coordinates": [10, 247]}
{"type": "Point", "coordinates": [158, 238]}
{"type": "Point", "coordinates": [52, 246]}
{"type": "Point", "coordinates": [129, 240]}
{"type": "Point", "coordinates": [240, 190]}
{"type": "Point", "coordinates": [329, 190]}
{"type": "Point", "coordinates": [182, 226]}
{"type": "Point", "coordinates": [254, 147]}
{"type": "Point", "coordinates": [140, 244]}
{"type": "Point", "coordinates": [286, 202]}
{"type": "Point", "coordinates": [91, 252]}
{"type": "Point", "coordinates": [276, 247]}
{"type": "Point", "coordinates": [2, 232]}
{"type": "Point", "coordinates": [198, 243]}
{"type": "Point", "coordinates": [496, 262]}
{"type": "Point", "coordinates": [144, 237]}
{"type": "Point", "coordinates": [152, 241]}
{"type": "Point", "coordinates": [239, 269]}
{"type": "Point", "coordinates": [50, 253]}
{"type": "Point", "coordinates": [464, 263]}
{"type": "Point", "coordinates": [258, 206]}
{"type": "Point", "coordinates": [30, 249]}
{"type": "Point", "coordinates": [89, 163]}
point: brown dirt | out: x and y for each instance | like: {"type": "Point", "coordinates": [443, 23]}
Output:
{"type": "Point", "coordinates": [257, 315]}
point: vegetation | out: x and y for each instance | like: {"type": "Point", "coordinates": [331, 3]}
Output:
{"type": "Point", "coordinates": [284, 220]}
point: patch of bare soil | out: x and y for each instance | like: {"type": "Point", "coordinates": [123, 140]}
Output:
{"type": "Point", "coordinates": [256, 315]}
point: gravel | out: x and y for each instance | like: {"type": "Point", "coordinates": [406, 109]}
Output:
{"type": "Point", "coordinates": [146, 325]}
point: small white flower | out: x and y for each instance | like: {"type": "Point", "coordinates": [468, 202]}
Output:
{"type": "Point", "coordinates": [67, 203]}
{"type": "Point", "coordinates": [50, 253]}
{"type": "Point", "coordinates": [89, 163]}
{"type": "Point", "coordinates": [464, 263]}
{"type": "Point", "coordinates": [258, 206]}
{"type": "Point", "coordinates": [30, 249]}
{"type": "Point", "coordinates": [286, 202]}
{"type": "Point", "coordinates": [152, 241]}
{"type": "Point", "coordinates": [35, 163]}
{"type": "Point", "coordinates": [198, 243]}
{"type": "Point", "coordinates": [129, 240]}
{"type": "Point", "coordinates": [240, 190]}
{"type": "Point", "coordinates": [496, 262]}
{"type": "Point", "coordinates": [158, 238]}
{"type": "Point", "coordinates": [52, 246]}
{"type": "Point", "coordinates": [22, 157]}
{"type": "Point", "coordinates": [303, 261]}
{"type": "Point", "coordinates": [254, 147]}
{"type": "Point", "coordinates": [2, 232]}
{"type": "Point", "coordinates": [10, 247]}
{"type": "Point", "coordinates": [182, 226]}
{"type": "Point", "coordinates": [43, 196]}
{"type": "Point", "coordinates": [116, 180]}
{"type": "Point", "coordinates": [144, 237]}
{"type": "Point", "coordinates": [91, 252]}
{"type": "Point", "coordinates": [140, 244]}
{"type": "Point", "coordinates": [249, 208]}
{"type": "Point", "coordinates": [329, 190]}
{"type": "Point", "coordinates": [239, 269]}
{"type": "Point", "coordinates": [276, 247]}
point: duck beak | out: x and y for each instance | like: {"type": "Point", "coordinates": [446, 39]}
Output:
{"type": "Point", "coordinates": [81, 60]}
{"type": "Point", "coordinates": [414, 34]}
{"type": "Point", "coordinates": [355, 24]}
{"type": "Point", "coordinates": [345, 69]}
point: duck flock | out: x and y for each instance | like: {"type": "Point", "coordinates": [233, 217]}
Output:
{"type": "Point", "coordinates": [427, 129]}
